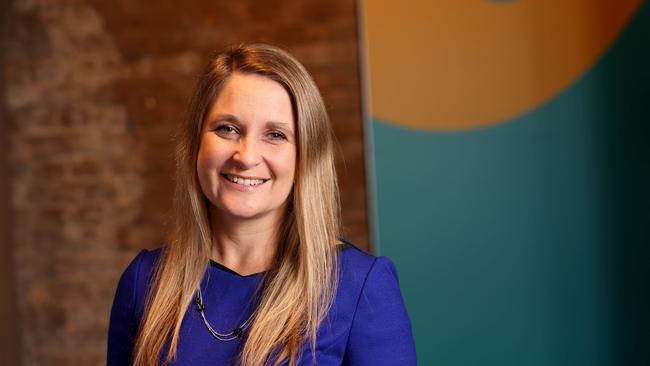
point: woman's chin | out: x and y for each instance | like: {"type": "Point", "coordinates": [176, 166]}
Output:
{"type": "Point", "coordinates": [243, 213]}
{"type": "Point", "coordinates": [240, 211]}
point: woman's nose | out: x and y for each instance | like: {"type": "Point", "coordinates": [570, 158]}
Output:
{"type": "Point", "coordinates": [248, 153]}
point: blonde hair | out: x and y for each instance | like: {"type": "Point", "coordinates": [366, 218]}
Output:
{"type": "Point", "coordinates": [299, 289]}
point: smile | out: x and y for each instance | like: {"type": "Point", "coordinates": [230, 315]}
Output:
{"type": "Point", "coordinates": [251, 182]}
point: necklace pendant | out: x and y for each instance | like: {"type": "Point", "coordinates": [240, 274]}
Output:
{"type": "Point", "coordinates": [237, 332]}
{"type": "Point", "coordinates": [234, 334]}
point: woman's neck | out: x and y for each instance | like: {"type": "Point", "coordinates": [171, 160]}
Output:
{"type": "Point", "coordinates": [246, 246]}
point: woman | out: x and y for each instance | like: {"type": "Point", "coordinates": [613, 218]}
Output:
{"type": "Point", "coordinates": [253, 272]}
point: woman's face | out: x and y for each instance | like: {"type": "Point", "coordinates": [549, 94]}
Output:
{"type": "Point", "coordinates": [247, 157]}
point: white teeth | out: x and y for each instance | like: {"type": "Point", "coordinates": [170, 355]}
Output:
{"type": "Point", "coordinates": [243, 181]}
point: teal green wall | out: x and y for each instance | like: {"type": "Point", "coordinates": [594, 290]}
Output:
{"type": "Point", "coordinates": [526, 243]}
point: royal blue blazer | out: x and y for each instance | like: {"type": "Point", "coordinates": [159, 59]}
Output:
{"type": "Point", "coordinates": [366, 325]}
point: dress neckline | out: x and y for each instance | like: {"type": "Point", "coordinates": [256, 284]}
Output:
{"type": "Point", "coordinates": [221, 267]}
{"type": "Point", "coordinates": [343, 246]}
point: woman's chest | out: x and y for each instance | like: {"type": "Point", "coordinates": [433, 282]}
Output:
{"type": "Point", "coordinates": [207, 339]}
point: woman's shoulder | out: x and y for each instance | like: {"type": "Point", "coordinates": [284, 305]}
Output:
{"type": "Point", "coordinates": [148, 258]}
{"type": "Point", "coordinates": [356, 261]}
{"type": "Point", "coordinates": [370, 299]}
{"type": "Point", "coordinates": [368, 323]}
{"type": "Point", "coordinates": [136, 279]}
{"type": "Point", "coordinates": [142, 266]}
{"type": "Point", "coordinates": [128, 306]}
{"type": "Point", "coordinates": [358, 267]}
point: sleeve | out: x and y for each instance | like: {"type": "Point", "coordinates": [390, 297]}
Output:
{"type": "Point", "coordinates": [381, 328]}
{"type": "Point", "coordinates": [123, 326]}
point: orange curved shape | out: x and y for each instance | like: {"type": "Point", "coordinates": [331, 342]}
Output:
{"type": "Point", "coordinates": [450, 65]}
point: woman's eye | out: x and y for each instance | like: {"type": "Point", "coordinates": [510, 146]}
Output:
{"type": "Point", "coordinates": [226, 130]}
{"type": "Point", "coordinates": [277, 136]}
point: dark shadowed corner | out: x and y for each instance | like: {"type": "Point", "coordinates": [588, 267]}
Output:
{"type": "Point", "coordinates": [8, 340]}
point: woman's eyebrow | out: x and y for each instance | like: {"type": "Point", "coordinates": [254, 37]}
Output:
{"type": "Point", "coordinates": [279, 125]}
{"type": "Point", "coordinates": [225, 117]}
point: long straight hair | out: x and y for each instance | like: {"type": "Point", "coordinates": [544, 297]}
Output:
{"type": "Point", "coordinates": [298, 290]}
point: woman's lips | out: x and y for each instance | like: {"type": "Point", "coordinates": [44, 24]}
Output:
{"type": "Point", "coordinates": [243, 184]}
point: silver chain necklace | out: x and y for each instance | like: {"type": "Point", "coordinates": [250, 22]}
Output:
{"type": "Point", "coordinates": [224, 337]}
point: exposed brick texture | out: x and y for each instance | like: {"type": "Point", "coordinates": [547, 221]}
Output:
{"type": "Point", "coordinates": [93, 92]}
{"type": "Point", "coordinates": [9, 350]}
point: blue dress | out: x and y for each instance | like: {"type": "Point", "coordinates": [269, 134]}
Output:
{"type": "Point", "coordinates": [367, 324]}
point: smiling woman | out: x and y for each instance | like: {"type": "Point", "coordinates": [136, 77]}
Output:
{"type": "Point", "coordinates": [247, 156]}
{"type": "Point", "coordinates": [253, 272]}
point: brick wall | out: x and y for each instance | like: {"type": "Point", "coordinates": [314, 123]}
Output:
{"type": "Point", "coordinates": [93, 91]}
{"type": "Point", "coordinates": [8, 342]}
